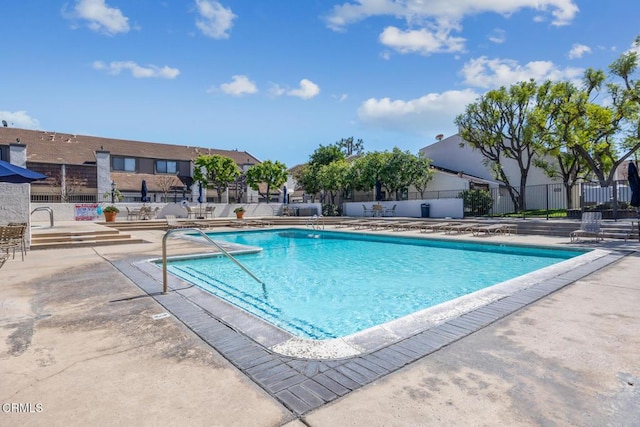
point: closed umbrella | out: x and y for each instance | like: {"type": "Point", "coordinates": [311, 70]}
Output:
{"type": "Point", "coordinates": [284, 195]}
{"type": "Point", "coordinates": [17, 175]}
{"type": "Point", "coordinates": [143, 191]}
{"type": "Point", "coordinates": [200, 198]}
{"type": "Point", "coordinates": [634, 184]}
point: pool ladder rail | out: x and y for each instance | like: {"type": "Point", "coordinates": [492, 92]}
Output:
{"type": "Point", "coordinates": [316, 222]}
{"type": "Point", "coordinates": [165, 287]}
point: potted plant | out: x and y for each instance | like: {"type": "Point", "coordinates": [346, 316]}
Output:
{"type": "Point", "coordinates": [110, 213]}
{"type": "Point", "coordinates": [239, 212]}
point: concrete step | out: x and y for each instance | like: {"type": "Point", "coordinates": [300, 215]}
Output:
{"type": "Point", "coordinates": [75, 239]}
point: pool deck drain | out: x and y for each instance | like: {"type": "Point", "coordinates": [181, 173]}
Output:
{"type": "Point", "coordinates": [306, 384]}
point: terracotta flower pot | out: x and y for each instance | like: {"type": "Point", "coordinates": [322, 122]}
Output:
{"type": "Point", "coordinates": [239, 215]}
{"type": "Point", "coordinates": [110, 216]}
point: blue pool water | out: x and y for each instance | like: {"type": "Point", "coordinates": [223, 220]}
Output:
{"type": "Point", "coordinates": [324, 284]}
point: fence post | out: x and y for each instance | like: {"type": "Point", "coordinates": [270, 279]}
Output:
{"type": "Point", "coordinates": [615, 200]}
{"type": "Point", "coordinates": [547, 202]}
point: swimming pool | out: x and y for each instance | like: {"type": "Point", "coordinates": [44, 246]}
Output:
{"type": "Point", "coordinates": [324, 284]}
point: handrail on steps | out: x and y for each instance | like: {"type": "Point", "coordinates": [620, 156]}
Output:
{"type": "Point", "coordinates": [207, 238]}
{"type": "Point", "coordinates": [48, 209]}
{"type": "Point", "coordinates": [314, 222]}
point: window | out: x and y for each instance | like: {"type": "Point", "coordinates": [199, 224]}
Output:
{"type": "Point", "coordinates": [127, 164]}
{"type": "Point", "coordinates": [166, 166]}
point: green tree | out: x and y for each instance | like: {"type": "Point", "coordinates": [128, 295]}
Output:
{"type": "Point", "coordinates": [500, 125]}
{"type": "Point", "coordinates": [333, 178]}
{"type": "Point", "coordinates": [326, 154]}
{"type": "Point", "coordinates": [421, 173]}
{"type": "Point", "coordinates": [307, 179]}
{"type": "Point", "coordinates": [610, 133]}
{"type": "Point", "coordinates": [398, 171]}
{"type": "Point", "coordinates": [367, 170]}
{"type": "Point", "coordinates": [271, 173]}
{"type": "Point", "coordinates": [349, 147]}
{"type": "Point", "coordinates": [308, 176]}
{"type": "Point", "coordinates": [216, 171]}
{"type": "Point", "coordinates": [558, 117]}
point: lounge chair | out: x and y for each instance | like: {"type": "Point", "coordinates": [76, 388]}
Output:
{"type": "Point", "coordinates": [406, 225]}
{"type": "Point", "coordinates": [3, 259]}
{"type": "Point", "coordinates": [434, 226]}
{"type": "Point", "coordinates": [460, 228]}
{"type": "Point", "coordinates": [172, 223]}
{"type": "Point", "coordinates": [488, 230]}
{"type": "Point", "coordinates": [589, 227]}
{"type": "Point", "coordinates": [348, 224]}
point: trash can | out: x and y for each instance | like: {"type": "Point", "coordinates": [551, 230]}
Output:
{"type": "Point", "coordinates": [425, 210]}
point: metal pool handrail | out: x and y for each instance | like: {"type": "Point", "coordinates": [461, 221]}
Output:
{"type": "Point", "coordinates": [207, 238]}
{"type": "Point", "coordinates": [48, 209]}
{"type": "Point", "coordinates": [314, 222]}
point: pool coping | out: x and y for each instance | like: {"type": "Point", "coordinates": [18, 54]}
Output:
{"type": "Point", "coordinates": [304, 384]}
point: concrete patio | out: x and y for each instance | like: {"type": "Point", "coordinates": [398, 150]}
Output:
{"type": "Point", "coordinates": [83, 345]}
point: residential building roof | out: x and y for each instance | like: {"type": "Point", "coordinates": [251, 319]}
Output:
{"type": "Point", "coordinates": [59, 148]}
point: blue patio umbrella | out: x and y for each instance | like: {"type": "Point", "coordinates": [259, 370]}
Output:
{"type": "Point", "coordinates": [200, 198]}
{"type": "Point", "coordinates": [634, 184]}
{"type": "Point", "coordinates": [17, 175]}
{"type": "Point", "coordinates": [378, 190]}
{"type": "Point", "coordinates": [143, 191]}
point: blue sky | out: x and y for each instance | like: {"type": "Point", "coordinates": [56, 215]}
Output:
{"type": "Point", "coordinates": [277, 78]}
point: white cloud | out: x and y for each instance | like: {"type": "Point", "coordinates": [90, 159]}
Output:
{"type": "Point", "coordinates": [215, 20]}
{"type": "Point", "coordinates": [137, 71]}
{"type": "Point", "coordinates": [307, 90]}
{"type": "Point", "coordinates": [445, 11]}
{"type": "Point", "coordinates": [423, 41]}
{"type": "Point", "coordinates": [101, 18]}
{"type": "Point", "coordinates": [277, 90]}
{"type": "Point", "coordinates": [497, 36]}
{"type": "Point", "coordinates": [241, 85]}
{"type": "Point", "coordinates": [19, 119]}
{"type": "Point", "coordinates": [492, 73]}
{"type": "Point", "coordinates": [578, 50]}
{"type": "Point", "coordinates": [340, 98]}
{"type": "Point", "coordinates": [430, 23]}
{"type": "Point", "coordinates": [419, 116]}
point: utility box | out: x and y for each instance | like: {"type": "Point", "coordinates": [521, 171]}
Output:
{"type": "Point", "coordinates": [425, 210]}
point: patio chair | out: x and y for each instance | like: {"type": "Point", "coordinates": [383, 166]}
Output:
{"type": "Point", "coordinates": [133, 213]}
{"type": "Point", "coordinates": [11, 237]}
{"type": "Point", "coordinates": [389, 212]}
{"type": "Point", "coordinates": [3, 259]}
{"type": "Point", "coordinates": [208, 211]}
{"type": "Point", "coordinates": [589, 227]}
{"type": "Point", "coordinates": [23, 236]}
{"type": "Point", "coordinates": [367, 211]}
{"type": "Point", "coordinates": [153, 213]}
{"type": "Point", "coordinates": [191, 213]}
